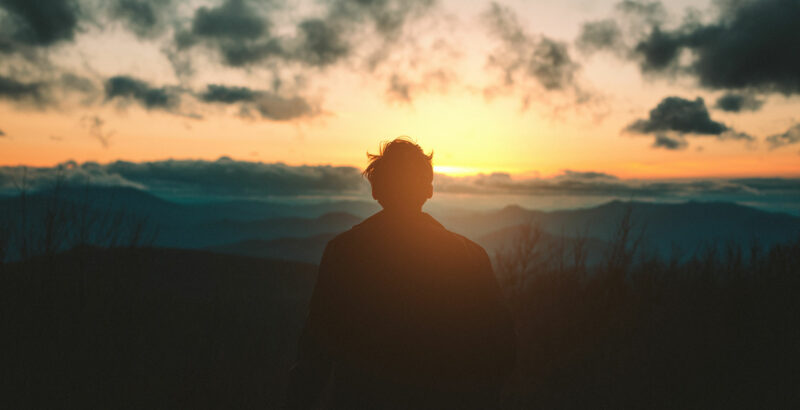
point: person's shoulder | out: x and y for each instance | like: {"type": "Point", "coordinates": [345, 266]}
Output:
{"type": "Point", "coordinates": [343, 237]}
{"type": "Point", "coordinates": [470, 245]}
{"type": "Point", "coordinates": [354, 234]}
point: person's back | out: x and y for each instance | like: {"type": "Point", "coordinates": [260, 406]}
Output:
{"type": "Point", "coordinates": [405, 314]}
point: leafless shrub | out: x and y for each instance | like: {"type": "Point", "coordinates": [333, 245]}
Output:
{"type": "Point", "coordinates": [5, 240]}
{"type": "Point", "coordinates": [607, 335]}
{"type": "Point", "coordinates": [579, 250]}
{"type": "Point", "coordinates": [623, 246]}
{"type": "Point", "coordinates": [50, 221]}
{"type": "Point", "coordinates": [517, 261]}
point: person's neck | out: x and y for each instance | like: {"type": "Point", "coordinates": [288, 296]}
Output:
{"type": "Point", "coordinates": [403, 210]}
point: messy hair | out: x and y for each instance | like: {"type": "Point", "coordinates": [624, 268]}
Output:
{"type": "Point", "coordinates": [401, 169]}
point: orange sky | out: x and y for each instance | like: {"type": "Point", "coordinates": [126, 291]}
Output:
{"type": "Point", "coordinates": [469, 131]}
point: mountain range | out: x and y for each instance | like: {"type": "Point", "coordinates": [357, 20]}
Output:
{"type": "Point", "coordinates": [300, 231]}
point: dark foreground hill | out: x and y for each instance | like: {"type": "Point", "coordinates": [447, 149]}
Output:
{"type": "Point", "coordinates": [149, 328]}
{"type": "Point", "coordinates": [162, 328]}
{"type": "Point", "coordinates": [306, 249]}
{"type": "Point", "coordinates": [227, 231]}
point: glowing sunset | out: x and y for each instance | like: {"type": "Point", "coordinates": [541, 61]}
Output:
{"type": "Point", "coordinates": [401, 204]}
{"type": "Point", "coordinates": [519, 88]}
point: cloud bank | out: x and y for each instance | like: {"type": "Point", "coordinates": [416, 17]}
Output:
{"type": "Point", "coordinates": [196, 177]}
{"type": "Point", "coordinates": [228, 178]}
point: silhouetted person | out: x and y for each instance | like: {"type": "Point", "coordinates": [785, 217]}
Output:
{"type": "Point", "coordinates": [405, 314]}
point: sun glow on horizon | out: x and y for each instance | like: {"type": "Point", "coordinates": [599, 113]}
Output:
{"type": "Point", "coordinates": [459, 171]}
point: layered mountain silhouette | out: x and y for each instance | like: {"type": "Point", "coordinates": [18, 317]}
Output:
{"type": "Point", "coordinates": [299, 231]}
{"type": "Point", "coordinates": [158, 327]}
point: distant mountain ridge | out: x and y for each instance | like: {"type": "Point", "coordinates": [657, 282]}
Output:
{"type": "Point", "coordinates": [689, 224]}
{"type": "Point", "coordinates": [299, 232]}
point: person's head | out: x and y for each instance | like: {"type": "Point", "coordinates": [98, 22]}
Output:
{"type": "Point", "coordinates": [401, 175]}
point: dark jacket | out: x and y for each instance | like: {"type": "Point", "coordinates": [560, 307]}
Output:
{"type": "Point", "coordinates": [405, 314]}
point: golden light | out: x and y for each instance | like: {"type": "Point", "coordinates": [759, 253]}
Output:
{"type": "Point", "coordinates": [457, 171]}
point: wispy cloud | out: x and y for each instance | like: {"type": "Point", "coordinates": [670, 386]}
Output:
{"type": "Point", "coordinates": [529, 64]}
{"type": "Point", "coordinates": [267, 104]}
{"type": "Point", "coordinates": [791, 136]}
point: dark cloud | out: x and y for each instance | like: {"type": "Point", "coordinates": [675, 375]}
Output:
{"type": "Point", "coordinates": [600, 35]}
{"type": "Point", "coordinates": [754, 45]}
{"type": "Point", "coordinates": [37, 22]}
{"type": "Point", "coordinates": [242, 34]}
{"type": "Point", "coordinates": [387, 17]}
{"type": "Point", "coordinates": [749, 45]}
{"type": "Point", "coordinates": [321, 43]}
{"type": "Point", "coordinates": [234, 20]}
{"type": "Point", "coordinates": [633, 19]}
{"type": "Point", "coordinates": [228, 95]}
{"type": "Point", "coordinates": [132, 89]}
{"type": "Point", "coordinates": [78, 83]}
{"type": "Point", "coordinates": [235, 29]}
{"type": "Point", "coordinates": [346, 24]}
{"type": "Point", "coordinates": [14, 90]}
{"type": "Point", "coordinates": [791, 136]}
{"type": "Point", "coordinates": [240, 54]}
{"type": "Point", "coordinates": [670, 142]}
{"type": "Point", "coordinates": [679, 115]}
{"type": "Point", "coordinates": [736, 102]}
{"type": "Point", "coordinates": [675, 117]}
{"type": "Point", "coordinates": [145, 18]}
{"type": "Point", "coordinates": [2, 134]}
{"type": "Point", "coordinates": [64, 90]}
{"type": "Point", "coordinates": [659, 50]}
{"type": "Point", "coordinates": [267, 104]}
{"type": "Point", "coordinates": [277, 108]}
{"type": "Point", "coordinates": [646, 12]}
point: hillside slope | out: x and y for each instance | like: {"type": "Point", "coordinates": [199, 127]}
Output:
{"type": "Point", "coordinates": [150, 328]}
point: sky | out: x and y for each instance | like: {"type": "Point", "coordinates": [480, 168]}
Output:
{"type": "Point", "coordinates": [528, 92]}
